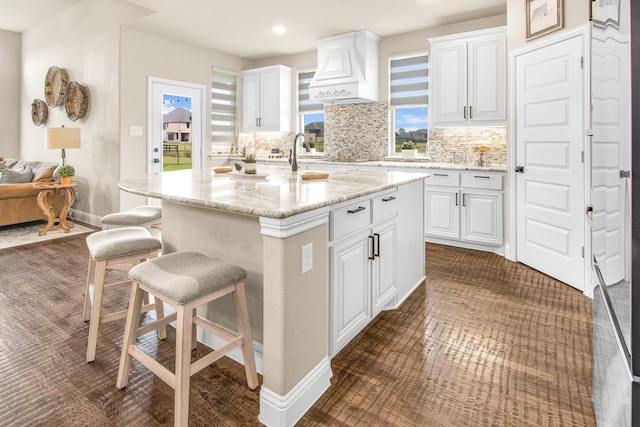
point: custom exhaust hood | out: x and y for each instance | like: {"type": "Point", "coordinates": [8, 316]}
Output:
{"type": "Point", "coordinates": [347, 69]}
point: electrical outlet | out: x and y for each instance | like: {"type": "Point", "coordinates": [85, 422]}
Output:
{"type": "Point", "coordinates": [76, 196]}
{"type": "Point", "coordinates": [307, 258]}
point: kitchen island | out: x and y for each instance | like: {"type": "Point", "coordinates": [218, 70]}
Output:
{"type": "Point", "coordinates": [323, 257]}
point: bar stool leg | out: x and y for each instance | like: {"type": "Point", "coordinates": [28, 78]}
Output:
{"type": "Point", "coordinates": [94, 322]}
{"type": "Point", "coordinates": [184, 333]}
{"type": "Point", "coordinates": [244, 330]}
{"type": "Point", "coordinates": [130, 334]}
{"type": "Point", "coordinates": [159, 306]}
{"type": "Point", "coordinates": [91, 272]}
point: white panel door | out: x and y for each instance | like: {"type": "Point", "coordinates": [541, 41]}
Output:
{"type": "Point", "coordinates": [384, 268]}
{"type": "Point", "coordinates": [482, 217]}
{"type": "Point", "coordinates": [487, 82]}
{"type": "Point", "coordinates": [443, 212]}
{"type": "Point", "coordinates": [550, 190]}
{"type": "Point", "coordinates": [350, 297]}
{"type": "Point", "coordinates": [610, 194]}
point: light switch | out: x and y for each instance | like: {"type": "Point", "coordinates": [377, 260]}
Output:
{"type": "Point", "coordinates": [135, 131]}
{"type": "Point", "coordinates": [307, 258]}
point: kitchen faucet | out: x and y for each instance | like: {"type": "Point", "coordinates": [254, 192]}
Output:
{"type": "Point", "coordinates": [293, 161]}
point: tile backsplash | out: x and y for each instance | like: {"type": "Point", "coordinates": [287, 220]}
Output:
{"type": "Point", "coordinates": [444, 143]}
{"type": "Point", "coordinates": [360, 132]}
{"type": "Point", "coordinates": [356, 132]}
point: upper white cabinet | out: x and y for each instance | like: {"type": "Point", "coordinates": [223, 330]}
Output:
{"type": "Point", "coordinates": [266, 99]}
{"type": "Point", "coordinates": [468, 79]}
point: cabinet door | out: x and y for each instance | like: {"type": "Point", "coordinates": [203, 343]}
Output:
{"type": "Point", "coordinates": [350, 296]}
{"type": "Point", "coordinates": [270, 101]}
{"type": "Point", "coordinates": [487, 80]}
{"type": "Point", "coordinates": [250, 102]}
{"type": "Point", "coordinates": [449, 93]}
{"type": "Point", "coordinates": [482, 217]}
{"type": "Point", "coordinates": [384, 279]}
{"type": "Point", "coordinates": [442, 212]}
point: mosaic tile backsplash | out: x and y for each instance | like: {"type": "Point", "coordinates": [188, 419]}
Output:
{"type": "Point", "coordinates": [360, 132]}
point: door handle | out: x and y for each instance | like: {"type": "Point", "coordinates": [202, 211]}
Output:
{"type": "Point", "coordinates": [470, 112]}
{"type": "Point", "coordinates": [519, 169]}
{"type": "Point", "coordinates": [463, 201]}
{"type": "Point", "coordinates": [464, 112]}
{"type": "Point", "coordinates": [389, 199]}
{"type": "Point", "coordinates": [377, 239]}
{"type": "Point", "coordinates": [457, 199]}
{"type": "Point", "coordinates": [358, 209]}
{"type": "Point", "coordinates": [372, 253]}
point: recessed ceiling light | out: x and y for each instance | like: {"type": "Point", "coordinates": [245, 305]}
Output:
{"type": "Point", "coordinates": [279, 29]}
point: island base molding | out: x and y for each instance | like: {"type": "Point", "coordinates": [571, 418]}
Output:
{"type": "Point", "coordinates": [284, 411]}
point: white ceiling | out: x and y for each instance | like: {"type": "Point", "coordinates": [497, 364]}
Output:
{"type": "Point", "coordinates": [243, 27]}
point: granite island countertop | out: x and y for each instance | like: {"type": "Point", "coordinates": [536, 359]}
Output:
{"type": "Point", "coordinates": [275, 193]}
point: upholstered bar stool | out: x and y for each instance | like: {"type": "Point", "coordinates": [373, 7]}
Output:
{"type": "Point", "coordinates": [117, 248]}
{"type": "Point", "coordinates": [140, 216]}
{"type": "Point", "coordinates": [186, 280]}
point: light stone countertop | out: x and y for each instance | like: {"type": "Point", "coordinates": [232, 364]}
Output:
{"type": "Point", "coordinates": [278, 193]}
{"type": "Point", "coordinates": [414, 163]}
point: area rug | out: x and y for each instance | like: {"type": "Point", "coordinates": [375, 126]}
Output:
{"type": "Point", "coordinates": [23, 234]}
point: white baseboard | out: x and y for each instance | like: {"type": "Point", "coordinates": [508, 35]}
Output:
{"type": "Point", "coordinates": [212, 341]}
{"type": "Point", "coordinates": [85, 217]}
{"type": "Point", "coordinates": [397, 302]}
{"type": "Point", "coordinates": [284, 411]}
{"type": "Point", "coordinates": [498, 250]}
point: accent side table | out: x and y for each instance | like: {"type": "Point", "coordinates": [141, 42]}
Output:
{"type": "Point", "coordinates": [46, 189]}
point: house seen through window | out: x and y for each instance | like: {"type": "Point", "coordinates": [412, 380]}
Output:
{"type": "Point", "coordinates": [409, 97]}
{"type": "Point", "coordinates": [310, 113]}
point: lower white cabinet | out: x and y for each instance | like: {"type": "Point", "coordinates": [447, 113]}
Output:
{"type": "Point", "coordinates": [363, 277]}
{"type": "Point", "coordinates": [368, 237]}
{"type": "Point", "coordinates": [465, 207]}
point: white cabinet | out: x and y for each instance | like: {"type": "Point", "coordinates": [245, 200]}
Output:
{"type": "Point", "coordinates": [376, 257]}
{"type": "Point", "coordinates": [465, 209]}
{"type": "Point", "coordinates": [266, 105]}
{"type": "Point", "coordinates": [468, 78]}
{"type": "Point", "coordinates": [363, 264]}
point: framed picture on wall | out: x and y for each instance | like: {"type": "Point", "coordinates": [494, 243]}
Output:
{"type": "Point", "coordinates": [544, 17]}
{"type": "Point", "coordinates": [605, 12]}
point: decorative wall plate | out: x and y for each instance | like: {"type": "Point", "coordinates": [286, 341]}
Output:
{"type": "Point", "coordinates": [39, 112]}
{"type": "Point", "coordinates": [55, 86]}
{"type": "Point", "coordinates": [77, 101]}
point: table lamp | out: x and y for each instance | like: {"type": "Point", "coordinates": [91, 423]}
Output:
{"type": "Point", "coordinates": [62, 138]}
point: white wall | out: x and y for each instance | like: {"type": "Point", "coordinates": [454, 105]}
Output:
{"type": "Point", "coordinates": [145, 55]}
{"type": "Point", "coordinates": [10, 107]}
{"type": "Point", "coordinates": [576, 12]}
{"type": "Point", "coordinates": [85, 40]}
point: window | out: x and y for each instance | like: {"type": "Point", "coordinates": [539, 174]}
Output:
{"type": "Point", "coordinates": [310, 113]}
{"type": "Point", "coordinates": [223, 111]}
{"type": "Point", "coordinates": [409, 98]}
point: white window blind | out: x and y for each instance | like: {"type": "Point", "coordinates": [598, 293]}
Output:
{"type": "Point", "coordinates": [223, 108]}
{"type": "Point", "coordinates": [409, 81]}
{"type": "Point", "coordinates": [305, 104]}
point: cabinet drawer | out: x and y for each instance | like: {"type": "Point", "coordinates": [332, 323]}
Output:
{"type": "Point", "coordinates": [384, 206]}
{"type": "Point", "coordinates": [350, 218]}
{"type": "Point", "coordinates": [480, 180]}
{"type": "Point", "coordinates": [443, 179]}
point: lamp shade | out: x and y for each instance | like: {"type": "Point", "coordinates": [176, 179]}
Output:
{"type": "Point", "coordinates": [62, 138]}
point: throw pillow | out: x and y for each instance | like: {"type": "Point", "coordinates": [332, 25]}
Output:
{"type": "Point", "coordinates": [9, 176]}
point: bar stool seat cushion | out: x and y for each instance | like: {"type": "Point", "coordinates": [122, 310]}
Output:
{"type": "Point", "coordinates": [186, 276]}
{"type": "Point", "coordinates": [121, 242]}
{"type": "Point", "coordinates": [134, 216]}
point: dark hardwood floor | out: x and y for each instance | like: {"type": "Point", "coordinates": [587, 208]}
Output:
{"type": "Point", "coordinates": [484, 342]}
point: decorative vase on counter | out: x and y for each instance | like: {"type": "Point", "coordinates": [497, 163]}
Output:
{"type": "Point", "coordinates": [409, 153]}
{"type": "Point", "coordinates": [249, 168]}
